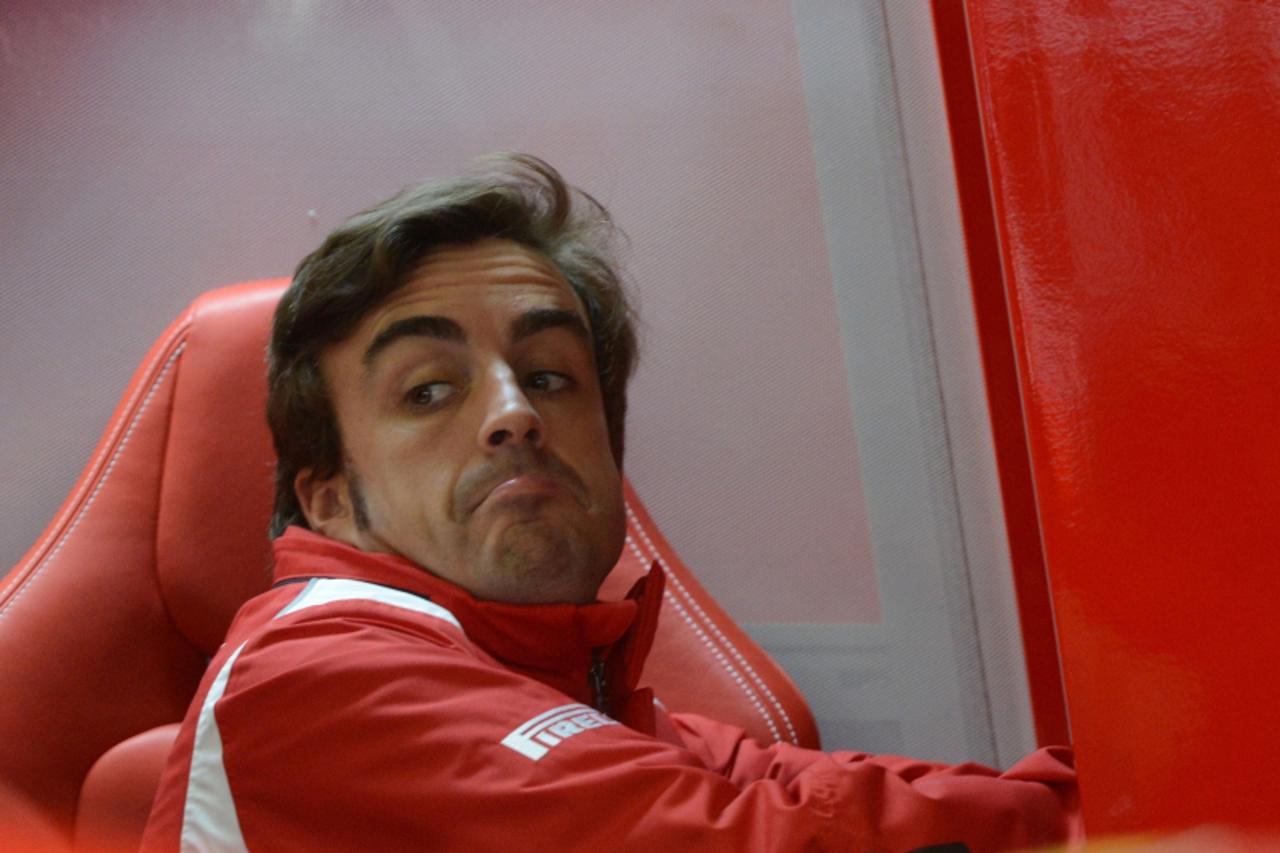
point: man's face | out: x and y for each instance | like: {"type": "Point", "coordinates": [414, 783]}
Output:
{"type": "Point", "coordinates": [474, 431]}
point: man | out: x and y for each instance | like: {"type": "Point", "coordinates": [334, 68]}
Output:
{"type": "Point", "coordinates": [447, 393]}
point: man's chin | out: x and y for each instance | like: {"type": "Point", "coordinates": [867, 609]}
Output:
{"type": "Point", "coordinates": [536, 562]}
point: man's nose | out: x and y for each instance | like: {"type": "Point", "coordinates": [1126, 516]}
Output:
{"type": "Point", "coordinates": [510, 419]}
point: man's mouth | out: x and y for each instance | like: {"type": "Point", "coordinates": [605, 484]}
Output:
{"type": "Point", "coordinates": [525, 481]}
{"type": "Point", "coordinates": [525, 485]}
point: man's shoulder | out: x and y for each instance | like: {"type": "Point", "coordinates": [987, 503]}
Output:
{"type": "Point", "coordinates": [321, 611]}
{"type": "Point", "coordinates": [327, 650]}
{"type": "Point", "coordinates": [329, 628]}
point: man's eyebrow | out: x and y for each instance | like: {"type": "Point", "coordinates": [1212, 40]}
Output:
{"type": "Point", "coordinates": [540, 319]}
{"type": "Point", "coordinates": [420, 326]}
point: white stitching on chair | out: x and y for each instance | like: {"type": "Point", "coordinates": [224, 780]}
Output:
{"type": "Point", "coordinates": [70, 504]}
{"type": "Point", "coordinates": [707, 641]}
{"type": "Point", "coordinates": [102, 480]}
{"type": "Point", "coordinates": [733, 650]}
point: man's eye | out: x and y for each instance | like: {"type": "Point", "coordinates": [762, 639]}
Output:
{"type": "Point", "coordinates": [429, 394]}
{"type": "Point", "coordinates": [546, 380]}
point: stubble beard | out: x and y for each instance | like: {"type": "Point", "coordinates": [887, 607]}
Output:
{"type": "Point", "coordinates": [538, 561]}
{"type": "Point", "coordinates": [534, 561]}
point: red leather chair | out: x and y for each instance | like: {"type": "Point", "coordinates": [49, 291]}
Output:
{"type": "Point", "coordinates": [107, 622]}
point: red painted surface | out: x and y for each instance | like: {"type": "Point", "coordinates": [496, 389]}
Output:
{"type": "Point", "coordinates": [1134, 157]}
{"type": "Point", "coordinates": [1000, 372]}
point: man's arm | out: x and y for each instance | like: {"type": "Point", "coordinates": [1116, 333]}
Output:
{"type": "Point", "coordinates": [727, 750]}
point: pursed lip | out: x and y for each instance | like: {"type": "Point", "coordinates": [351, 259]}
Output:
{"type": "Point", "coordinates": [524, 485]}
{"type": "Point", "coordinates": [516, 476]}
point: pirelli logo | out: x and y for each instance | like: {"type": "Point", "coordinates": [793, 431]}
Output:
{"type": "Point", "coordinates": [535, 738]}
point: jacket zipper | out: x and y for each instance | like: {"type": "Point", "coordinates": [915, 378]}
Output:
{"type": "Point", "coordinates": [595, 676]}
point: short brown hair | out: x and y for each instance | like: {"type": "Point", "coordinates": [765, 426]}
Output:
{"type": "Point", "coordinates": [517, 197]}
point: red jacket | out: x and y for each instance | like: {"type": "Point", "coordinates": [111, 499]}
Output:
{"type": "Point", "coordinates": [363, 703]}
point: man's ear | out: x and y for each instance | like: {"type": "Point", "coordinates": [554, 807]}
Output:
{"type": "Point", "coordinates": [326, 503]}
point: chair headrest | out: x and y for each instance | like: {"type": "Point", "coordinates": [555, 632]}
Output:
{"type": "Point", "coordinates": [212, 550]}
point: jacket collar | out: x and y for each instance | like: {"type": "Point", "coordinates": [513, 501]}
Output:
{"type": "Point", "coordinates": [555, 643]}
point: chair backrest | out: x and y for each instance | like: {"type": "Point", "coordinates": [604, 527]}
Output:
{"type": "Point", "coordinates": [106, 624]}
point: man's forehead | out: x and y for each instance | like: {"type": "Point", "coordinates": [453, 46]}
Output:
{"type": "Point", "coordinates": [495, 271]}
{"type": "Point", "coordinates": [491, 253]}
{"type": "Point", "coordinates": [460, 290]}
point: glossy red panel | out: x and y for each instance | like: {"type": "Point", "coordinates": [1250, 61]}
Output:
{"type": "Point", "coordinates": [1004, 401]}
{"type": "Point", "coordinates": [1133, 156]}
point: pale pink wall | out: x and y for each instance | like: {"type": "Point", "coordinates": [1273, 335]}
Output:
{"type": "Point", "coordinates": [151, 150]}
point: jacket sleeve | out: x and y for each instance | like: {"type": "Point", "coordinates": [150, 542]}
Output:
{"type": "Point", "coordinates": [727, 750]}
{"type": "Point", "coordinates": [338, 734]}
